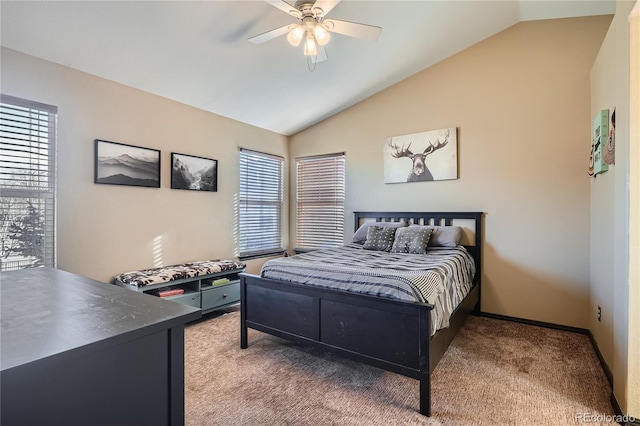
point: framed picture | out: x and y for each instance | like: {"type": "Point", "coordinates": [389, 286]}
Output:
{"type": "Point", "coordinates": [599, 140]}
{"type": "Point", "coordinates": [418, 157]}
{"type": "Point", "coordinates": [609, 150]}
{"type": "Point", "coordinates": [194, 173]}
{"type": "Point", "coordinates": [122, 164]}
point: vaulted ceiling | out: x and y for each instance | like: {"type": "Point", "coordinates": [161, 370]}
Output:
{"type": "Point", "coordinates": [197, 53]}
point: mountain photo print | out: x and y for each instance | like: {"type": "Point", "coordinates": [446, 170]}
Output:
{"type": "Point", "coordinates": [194, 173]}
{"type": "Point", "coordinates": [121, 164]}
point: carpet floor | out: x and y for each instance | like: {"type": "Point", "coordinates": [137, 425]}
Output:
{"type": "Point", "coordinates": [494, 373]}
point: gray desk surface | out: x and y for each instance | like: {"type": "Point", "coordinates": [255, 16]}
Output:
{"type": "Point", "coordinates": [46, 312]}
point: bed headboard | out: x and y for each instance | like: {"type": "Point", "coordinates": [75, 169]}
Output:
{"type": "Point", "coordinates": [434, 218]}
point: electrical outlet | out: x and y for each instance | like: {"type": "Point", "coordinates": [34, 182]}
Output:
{"type": "Point", "coordinates": [599, 313]}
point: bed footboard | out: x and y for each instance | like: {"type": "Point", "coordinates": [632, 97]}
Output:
{"type": "Point", "coordinates": [387, 334]}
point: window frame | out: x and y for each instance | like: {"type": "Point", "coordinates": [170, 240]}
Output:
{"type": "Point", "coordinates": [272, 166]}
{"type": "Point", "coordinates": [46, 192]}
{"type": "Point", "coordinates": [311, 195]}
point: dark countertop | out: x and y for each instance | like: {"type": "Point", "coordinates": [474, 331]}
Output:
{"type": "Point", "coordinates": [45, 312]}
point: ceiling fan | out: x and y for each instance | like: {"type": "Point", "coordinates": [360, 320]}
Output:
{"type": "Point", "coordinates": [314, 28]}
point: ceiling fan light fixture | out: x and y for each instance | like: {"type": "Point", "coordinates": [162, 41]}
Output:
{"type": "Point", "coordinates": [295, 35]}
{"type": "Point", "coordinates": [321, 34]}
{"type": "Point", "coordinates": [313, 27]}
{"type": "Point", "coordinates": [310, 47]}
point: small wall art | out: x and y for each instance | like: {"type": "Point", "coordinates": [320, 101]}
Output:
{"type": "Point", "coordinates": [194, 173]}
{"type": "Point", "coordinates": [425, 156]}
{"type": "Point", "coordinates": [609, 150]}
{"type": "Point", "coordinates": [122, 164]}
{"type": "Point", "coordinates": [599, 139]}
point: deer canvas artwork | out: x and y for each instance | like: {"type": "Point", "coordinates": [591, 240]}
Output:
{"type": "Point", "coordinates": [425, 156]}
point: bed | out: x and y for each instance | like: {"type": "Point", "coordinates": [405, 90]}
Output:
{"type": "Point", "coordinates": [353, 322]}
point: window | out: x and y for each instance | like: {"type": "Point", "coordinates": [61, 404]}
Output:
{"type": "Point", "coordinates": [260, 204]}
{"type": "Point", "coordinates": [320, 201]}
{"type": "Point", "coordinates": [27, 183]}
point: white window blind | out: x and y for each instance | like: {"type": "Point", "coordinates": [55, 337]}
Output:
{"type": "Point", "coordinates": [260, 204]}
{"type": "Point", "coordinates": [320, 201]}
{"type": "Point", "coordinates": [27, 183]}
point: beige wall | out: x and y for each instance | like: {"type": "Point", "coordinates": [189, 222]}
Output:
{"type": "Point", "coordinates": [520, 100]}
{"type": "Point", "coordinates": [604, 230]}
{"type": "Point", "coordinates": [633, 383]}
{"type": "Point", "coordinates": [610, 209]}
{"type": "Point", "coordinates": [104, 229]}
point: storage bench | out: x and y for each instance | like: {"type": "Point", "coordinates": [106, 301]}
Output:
{"type": "Point", "coordinates": [208, 284]}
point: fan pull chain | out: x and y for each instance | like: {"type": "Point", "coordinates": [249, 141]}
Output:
{"type": "Point", "coordinates": [310, 61]}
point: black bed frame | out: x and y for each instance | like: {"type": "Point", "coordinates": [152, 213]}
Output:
{"type": "Point", "coordinates": [389, 334]}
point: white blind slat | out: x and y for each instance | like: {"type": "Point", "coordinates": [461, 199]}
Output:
{"type": "Point", "coordinates": [27, 183]}
{"type": "Point", "coordinates": [260, 203]}
{"type": "Point", "coordinates": [320, 201]}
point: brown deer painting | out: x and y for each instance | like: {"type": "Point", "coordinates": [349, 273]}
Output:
{"type": "Point", "coordinates": [419, 170]}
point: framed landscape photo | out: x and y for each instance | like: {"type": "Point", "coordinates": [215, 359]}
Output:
{"type": "Point", "coordinates": [194, 173]}
{"type": "Point", "coordinates": [122, 164]}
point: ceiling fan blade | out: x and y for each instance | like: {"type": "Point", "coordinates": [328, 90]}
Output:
{"type": "Point", "coordinates": [269, 35]}
{"type": "Point", "coordinates": [351, 29]}
{"type": "Point", "coordinates": [321, 56]}
{"type": "Point", "coordinates": [326, 5]}
{"type": "Point", "coordinates": [285, 7]}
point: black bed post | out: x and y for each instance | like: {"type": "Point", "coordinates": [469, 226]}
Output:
{"type": "Point", "coordinates": [478, 243]}
{"type": "Point", "coordinates": [243, 313]}
{"type": "Point", "coordinates": [356, 221]}
{"type": "Point", "coordinates": [424, 376]}
{"type": "Point", "coordinates": [425, 395]}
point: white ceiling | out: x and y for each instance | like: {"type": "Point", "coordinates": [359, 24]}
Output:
{"type": "Point", "coordinates": [196, 52]}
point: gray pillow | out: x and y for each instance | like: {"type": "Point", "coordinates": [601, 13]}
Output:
{"type": "Point", "coordinates": [361, 234]}
{"type": "Point", "coordinates": [379, 238]}
{"type": "Point", "coordinates": [443, 236]}
{"type": "Point", "coordinates": [411, 240]}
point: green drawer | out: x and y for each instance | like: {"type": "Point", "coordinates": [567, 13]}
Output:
{"type": "Point", "coordinates": [188, 298]}
{"type": "Point", "coordinates": [214, 297]}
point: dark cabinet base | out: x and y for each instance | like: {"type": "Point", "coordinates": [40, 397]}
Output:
{"type": "Point", "coordinates": [89, 353]}
{"type": "Point", "coordinates": [128, 384]}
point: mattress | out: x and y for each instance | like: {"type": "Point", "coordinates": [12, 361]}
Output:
{"type": "Point", "coordinates": [442, 277]}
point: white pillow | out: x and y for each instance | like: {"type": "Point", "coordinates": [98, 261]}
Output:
{"type": "Point", "coordinates": [360, 235]}
{"type": "Point", "coordinates": [444, 236]}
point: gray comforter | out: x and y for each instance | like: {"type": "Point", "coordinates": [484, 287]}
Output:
{"type": "Point", "coordinates": [442, 277]}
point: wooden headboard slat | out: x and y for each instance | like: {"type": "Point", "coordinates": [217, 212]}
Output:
{"type": "Point", "coordinates": [439, 218]}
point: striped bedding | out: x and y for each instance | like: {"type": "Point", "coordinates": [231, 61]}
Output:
{"type": "Point", "coordinates": [442, 277]}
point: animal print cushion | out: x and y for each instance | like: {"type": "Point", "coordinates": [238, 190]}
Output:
{"type": "Point", "coordinates": [176, 272]}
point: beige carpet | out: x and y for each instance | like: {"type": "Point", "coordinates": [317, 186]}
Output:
{"type": "Point", "coordinates": [494, 373]}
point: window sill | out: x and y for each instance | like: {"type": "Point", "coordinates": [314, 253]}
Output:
{"type": "Point", "coordinates": [298, 250]}
{"type": "Point", "coordinates": [259, 255]}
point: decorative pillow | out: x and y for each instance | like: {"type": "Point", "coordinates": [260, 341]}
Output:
{"type": "Point", "coordinates": [379, 238]}
{"type": "Point", "coordinates": [411, 240]}
{"type": "Point", "coordinates": [443, 236]}
{"type": "Point", "coordinates": [361, 234]}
